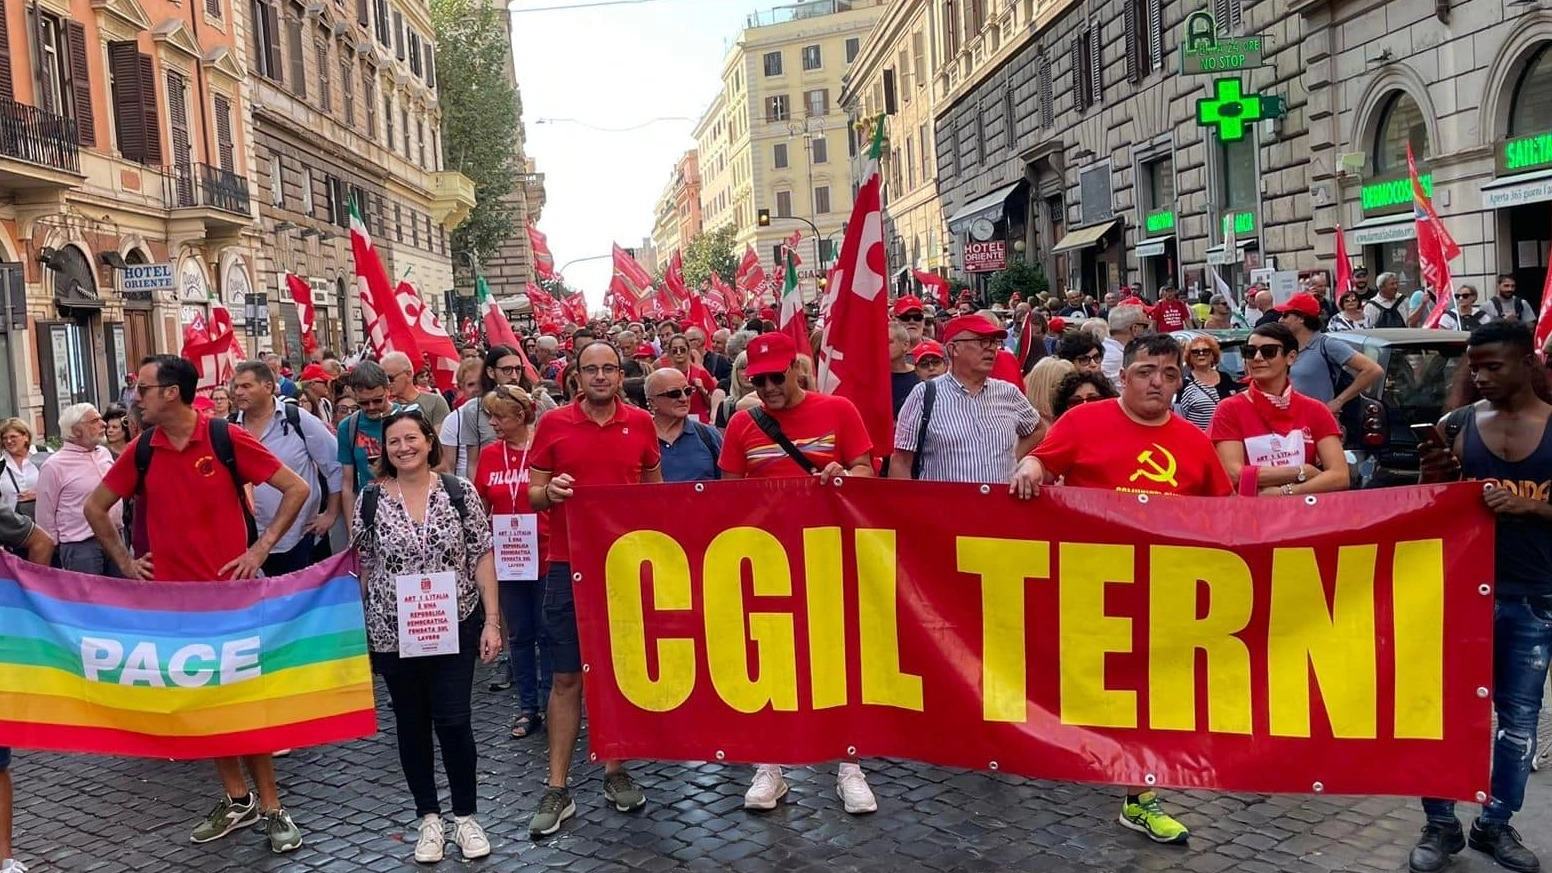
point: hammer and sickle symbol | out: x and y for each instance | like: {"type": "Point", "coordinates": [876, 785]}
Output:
{"type": "Point", "coordinates": [1152, 470]}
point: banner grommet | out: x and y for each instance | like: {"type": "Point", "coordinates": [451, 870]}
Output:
{"type": "Point", "coordinates": [1309, 500]}
{"type": "Point", "coordinates": [1149, 779]}
{"type": "Point", "coordinates": [851, 751]}
{"type": "Point", "coordinates": [1482, 691]}
{"type": "Point", "coordinates": [721, 755]}
{"type": "Point", "coordinates": [992, 765]}
{"type": "Point", "coordinates": [986, 489]}
{"type": "Point", "coordinates": [1142, 498]}
{"type": "Point", "coordinates": [587, 668]}
{"type": "Point", "coordinates": [836, 481]}
{"type": "Point", "coordinates": [576, 577]}
{"type": "Point", "coordinates": [1481, 797]}
{"type": "Point", "coordinates": [700, 487]}
{"type": "Point", "coordinates": [1319, 787]}
{"type": "Point", "coordinates": [1484, 589]}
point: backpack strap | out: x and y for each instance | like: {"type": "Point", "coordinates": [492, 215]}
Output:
{"type": "Point", "coordinates": [772, 429]}
{"type": "Point", "coordinates": [456, 494]}
{"type": "Point", "coordinates": [143, 457]}
{"type": "Point", "coordinates": [929, 396]}
{"type": "Point", "coordinates": [706, 440]}
{"type": "Point", "coordinates": [370, 495]}
{"type": "Point", "coordinates": [226, 453]}
{"type": "Point", "coordinates": [293, 419]}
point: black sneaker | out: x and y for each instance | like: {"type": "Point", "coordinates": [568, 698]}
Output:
{"type": "Point", "coordinates": [1503, 842]}
{"type": "Point", "coordinates": [1436, 845]}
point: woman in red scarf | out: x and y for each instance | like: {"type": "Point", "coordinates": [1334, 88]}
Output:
{"type": "Point", "coordinates": [1273, 440]}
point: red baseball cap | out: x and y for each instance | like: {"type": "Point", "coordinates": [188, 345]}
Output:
{"type": "Point", "coordinates": [769, 353]}
{"type": "Point", "coordinates": [644, 351]}
{"type": "Point", "coordinates": [316, 373]}
{"type": "Point", "coordinates": [975, 324]}
{"type": "Point", "coordinates": [927, 349]}
{"type": "Point", "coordinates": [907, 303]}
{"type": "Point", "coordinates": [1303, 304]}
{"type": "Point", "coordinates": [1057, 324]}
{"type": "Point", "coordinates": [767, 314]}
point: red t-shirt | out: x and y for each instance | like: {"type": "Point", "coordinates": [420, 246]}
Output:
{"type": "Point", "coordinates": [614, 453]}
{"type": "Point", "coordinates": [193, 519]}
{"type": "Point", "coordinates": [698, 377]}
{"type": "Point", "coordinates": [824, 427]}
{"type": "Point", "coordinates": [1236, 420]}
{"type": "Point", "coordinates": [1171, 315]}
{"type": "Point", "coordinates": [1097, 445]}
{"type": "Point", "coordinates": [503, 485]}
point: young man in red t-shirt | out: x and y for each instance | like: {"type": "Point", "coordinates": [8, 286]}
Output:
{"type": "Point", "coordinates": [198, 531]}
{"type": "Point", "coordinates": [1171, 313]}
{"type": "Point", "coordinates": [1134, 443]}
{"type": "Point", "coordinates": [828, 433]}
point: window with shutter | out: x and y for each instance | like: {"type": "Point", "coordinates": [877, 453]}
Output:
{"type": "Point", "coordinates": [181, 157]}
{"type": "Point", "coordinates": [149, 111]}
{"type": "Point", "coordinates": [325, 93]}
{"type": "Point", "coordinates": [226, 152]}
{"type": "Point", "coordinates": [369, 99]}
{"type": "Point", "coordinates": [213, 8]}
{"type": "Point", "coordinates": [124, 83]}
{"type": "Point", "coordinates": [80, 82]}
{"type": "Point", "coordinates": [7, 84]}
{"type": "Point", "coordinates": [348, 88]}
{"type": "Point", "coordinates": [1156, 34]}
{"type": "Point", "coordinates": [363, 13]}
{"type": "Point", "coordinates": [398, 35]}
{"type": "Point", "coordinates": [1009, 114]}
{"type": "Point", "coordinates": [430, 65]}
{"type": "Point", "coordinates": [296, 47]}
{"type": "Point", "coordinates": [1133, 62]}
{"type": "Point", "coordinates": [1047, 93]}
{"type": "Point", "coordinates": [1221, 15]}
{"type": "Point", "coordinates": [1080, 77]}
{"type": "Point", "coordinates": [1096, 66]}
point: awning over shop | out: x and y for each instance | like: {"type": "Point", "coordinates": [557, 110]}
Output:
{"type": "Point", "coordinates": [1084, 237]}
{"type": "Point", "coordinates": [988, 206]}
{"type": "Point", "coordinates": [1386, 229]}
{"type": "Point", "coordinates": [1516, 190]}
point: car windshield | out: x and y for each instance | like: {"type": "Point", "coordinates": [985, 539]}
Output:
{"type": "Point", "coordinates": [1418, 378]}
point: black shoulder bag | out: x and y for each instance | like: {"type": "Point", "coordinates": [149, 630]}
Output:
{"type": "Point", "coordinates": [772, 429]}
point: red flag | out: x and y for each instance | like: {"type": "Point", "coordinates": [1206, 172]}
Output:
{"type": "Point", "coordinates": [1544, 323]}
{"type": "Point", "coordinates": [700, 316]}
{"type": "Point", "coordinates": [575, 308]}
{"type": "Point", "coordinates": [854, 354]}
{"type": "Point", "coordinates": [730, 298]}
{"type": "Point", "coordinates": [431, 338]}
{"type": "Point", "coordinates": [544, 262]}
{"type": "Point", "coordinates": [1344, 267]}
{"type": "Point", "coordinates": [546, 310]}
{"type": "Point", "coordinates": [212, 347]}
{"type": "Point", "coordinates": [750, 276]}
{"type": "Point", "coordinates": [937, 285]}
{"type": "Point", "coordinates": [617, 309]}
{"type": "Point", "coordinates": [386, 327]}
{"type": "Point", "coordinates": [673, 281]}
{"type": "Point", "coordinates": [1435, 247]}
{"type": "Point", "coordinates": [302, 293]}
{"type": "Point", "coordinates": [631, 282]}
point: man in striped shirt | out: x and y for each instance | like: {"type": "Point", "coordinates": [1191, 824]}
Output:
{"type": "Point", "coordinates": [976, 428]}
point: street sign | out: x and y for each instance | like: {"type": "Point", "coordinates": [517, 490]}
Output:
{"type": "Point", "coordinates": [986, 257]}
{"type": "Point", "coordinates": [1203, 52]}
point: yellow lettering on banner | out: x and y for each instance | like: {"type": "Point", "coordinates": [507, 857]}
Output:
{"type": "Point", "coordinates": [772, 633]}
{"type": "Point", "coordinates": [883, 683]}
{"type": "Point", "coordinates": [627, 628]}
{"type": "Point", "coordinates": [1004, 566]}
{"type": "Point", "coordinates": [826, 616]}
{"type": "Point", "coordinates": [1417, 594]}
{"type": "Point", "coordinates": [1088, 634]}
{"type": "Point", "coordinates": [1336, 641]}
{"type": "Point", "coordinates": [1175, 633]}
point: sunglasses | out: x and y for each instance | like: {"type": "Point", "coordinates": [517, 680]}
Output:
{"type": "Point", "coordinates": [676, 394]}
{"type": "Point", "coordinates": [413, 411]}
{"type": "Point", "coordinates": [1267, 351]}
{"type": "Point", "coordinates": [1464, 296]}
{"type": "Point", "coordinates": [765, 379]}
{"type": "Point", "coordinates": [911, 316]}
{"type": "Point", "coordinates": [142, 390]}
{"type": "Point", "coordinates": [1207, 352]}
{"type": "Point", "coordinates": [1079, 401]}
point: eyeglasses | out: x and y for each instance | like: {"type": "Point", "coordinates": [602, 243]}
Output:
{"type": "Point", "coordinates": [1079, 401]}
{"type": "Point", "coordinates": [911, 316]}
{"type": "Point", "coordinates": [1091, 358]}
{"type": "Point", "coordinates": [592, 370]}
{"type": "Point", "coordinates": [1464, 296]}
{"type": "Point", "coordinates": [765, 379]}
{"type": "Point", "coordinates": [676, 394]}
{"type": "Point", "coordinates": [345, 408]}
{"type": "Point", "coordinates": [1266, 351]}
{"type": "Point", "coordinates": [142, 390]}
{"type": "Point", "coordinates": [509, 371]}
{"type": "Point", "coordinates": [933, 361]}
{"type": "Point", "coordinates": [980, 342]}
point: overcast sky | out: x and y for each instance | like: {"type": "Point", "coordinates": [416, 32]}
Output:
{"type": "Point", "coordinates": [613, 67]}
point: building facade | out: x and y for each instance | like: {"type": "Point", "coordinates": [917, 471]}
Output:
{"type": "Point", "coordinates": [775, 138]}
{"type": "Point", "coordinates": [677, 216]}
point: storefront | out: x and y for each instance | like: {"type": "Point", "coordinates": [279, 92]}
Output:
{"type": "Point", "coordinates": [1387, 236]}
{"type": "Point", "coordinates": [1234, 248]}
{"type": "Point", "coordinates": [71, 345]}
{"type": "Point", "coordinates": [1522, 183]}
{"type": "Point", "coordinates": [1158, 259]}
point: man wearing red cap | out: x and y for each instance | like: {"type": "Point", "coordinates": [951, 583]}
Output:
{"type": "Point", "coordinates": [908, 311]}
{"type": "Point", "coordinates": [1319, 362]}
{"type": "Point", "coordinates": [965, 426]}
{"type": "Point", "coordinates": [795, 433]}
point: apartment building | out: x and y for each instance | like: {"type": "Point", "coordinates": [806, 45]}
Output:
{"type": "Point", "coordinates": [677, 215]}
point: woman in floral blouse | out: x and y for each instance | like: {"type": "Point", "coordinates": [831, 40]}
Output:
{"type": "Point", "coordinates": [410, 526]}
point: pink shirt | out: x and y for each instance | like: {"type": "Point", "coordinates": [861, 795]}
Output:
{"type": "Point", "coordinates": [64, 483]}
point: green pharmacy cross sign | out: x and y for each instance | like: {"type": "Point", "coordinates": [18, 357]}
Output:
{"type": "Point", "coordinates": [1230, 110]}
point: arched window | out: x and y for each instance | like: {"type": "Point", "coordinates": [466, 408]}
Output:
{"type": "Point", "coordinates": [1401, 122]}
{"type": "Point", "coordinates": [1531, 109]}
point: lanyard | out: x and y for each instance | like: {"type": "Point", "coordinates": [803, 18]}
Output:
{"type": "Point", "coordinates": [522, 467]}
{"type": "Point", "coordinates": [425, 527]}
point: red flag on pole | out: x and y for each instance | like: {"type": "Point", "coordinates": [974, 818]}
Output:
{"type": "Point", "coordinates": [431, 338]}
{"type": "Point", "coordinates": [631, 282]}
{"type": "Point", "coordinates": [673, 281]}
{"type": "Point", "coordinates": [212, 347]}
{"type": "Point", "coordinates": [700, 316]}
{"type": "Point", "coordinates": [750, 276]}
{"type": "Point", "coordinates": [544, 262]}
{"type": "Point", "coordinates": [302, 294]}
{"type": "Point", "coordinates": [546, 309]}
{"type": "Point", "coordinates": [1435, 247]}
{"type": "Point", "coordinates": [575, 308]}
{"type": "Point", "coordinates": [937, 285]}
{"type": "Point", "coordinates": [386, 327]}
{"type": "Point", "coordinates": [1344, 267]}
{"type": "Point", "coordinates": [730, 298]}
{"type": "Point", "coordinates": [1544, 323]}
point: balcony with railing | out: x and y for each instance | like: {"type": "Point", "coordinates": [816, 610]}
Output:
{"type": "Point", "coordinates": [38, 149]}
{"type": "Point", "coordinates": [201, 186]}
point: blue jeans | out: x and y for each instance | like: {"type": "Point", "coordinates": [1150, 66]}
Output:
{"type": "Point", "coordinates": [1522, 641]}
{"type": "Point", "coordinates": [530, 651]}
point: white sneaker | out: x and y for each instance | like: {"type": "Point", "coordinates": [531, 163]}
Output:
{"type": "Point", "coordinates": [767, 789]}
{"type": "Point", "coordinates": [470, 837]}
{"type": "Point", "coordinates": [853, 789]}
{"type": "Point", "coordinates": [11, 865]}
{"type": "Point", "coordinates": [433, 836]}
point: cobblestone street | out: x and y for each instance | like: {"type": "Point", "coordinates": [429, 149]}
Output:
{"type": "Point", "coordinates": [107, 816]}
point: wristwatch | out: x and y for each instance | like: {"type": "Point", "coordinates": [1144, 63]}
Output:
{"type": "Point", "coordinates": [1302, 477]}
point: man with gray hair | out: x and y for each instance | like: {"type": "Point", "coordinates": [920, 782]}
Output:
{"type": "Point", "coordinates": [401, 384]}
{"type": "Point", "coordinates": [1126, 324]}
{"type": "Point", "coordinates": [66, 481]}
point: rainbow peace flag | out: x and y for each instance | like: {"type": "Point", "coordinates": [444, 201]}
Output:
{"type": "Point", "coordinates": [182, 670]}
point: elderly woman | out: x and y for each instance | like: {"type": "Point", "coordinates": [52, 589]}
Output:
{"type": "Point", "coordinates": [706, 394]}
{"type": "Point", "coordinates": [1349, 314]}
{"type": "Point", "coordinates": [414, 527]}
{"type": "Point", "coordinates": [1205, 384]}
{"type": "Point", "coordinates": [19, 483]}
{"type": "Point", "coordinates": [1040, 384]}
{"type": "Point", "coordinates": [66, 481]}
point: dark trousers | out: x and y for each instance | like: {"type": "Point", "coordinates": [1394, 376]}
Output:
{"type": "Point", "coordinates": [431, 697]}
{"type": "Point", "coordinates": [85, 556]}
{"type": "Point", "coordinates": [530, 652]}
{"type": "Point", "coordinates": [298, 557]}
{"type": "Point", "coordinates": [1522, 634]}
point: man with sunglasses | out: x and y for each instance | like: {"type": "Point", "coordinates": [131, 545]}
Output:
{"type": "Point", "coordinates": [401, 385]}
{"type": "Point", "coordinates": [597, 440]}
{"type": "Point", "coordinates": [795, 433]}
{"type": "Point", "coordinates": [908, 311]}
{"type": "Point", "coordinates": [360, 434]}
{"type": "Point", "coordinates": [689, 448]}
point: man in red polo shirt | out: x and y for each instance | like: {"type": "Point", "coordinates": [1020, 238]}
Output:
{"type": "Point", "coordinates": [827, 438]}
{"type": "Point", "coordinates": [197, 521]}
{"type": "Point", "coordinates": [1133, 443]}
{"type": "Point", "coordinates": [596, 440]}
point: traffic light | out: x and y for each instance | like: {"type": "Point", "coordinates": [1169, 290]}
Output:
{"type": "Point", "coordinates": [762, 217]}
{"type": "Point", "coordinates": [631, 252]}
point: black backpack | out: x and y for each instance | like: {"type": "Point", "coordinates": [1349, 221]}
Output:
{"type": "Point", "coordinates": [373, 492]}
{"type": "Point", "coordinates": [221, 446]}
{"type": "Point", "coordinates": [1390, 316]}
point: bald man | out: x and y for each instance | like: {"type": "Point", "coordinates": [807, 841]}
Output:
{"type": "Point", "coordinates": [690, 449]}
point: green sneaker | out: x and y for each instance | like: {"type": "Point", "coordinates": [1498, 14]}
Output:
{"type": "Point", "coordinates": [225, 818]}
{"type": "Point", "coordinates": [1147, 816]}
{"type": "Point", "coordinates": [554, 807]}
{"type": "Point", "coordinates": [621, 790]}
{"type": "Point", "coordinates": [284, 836]}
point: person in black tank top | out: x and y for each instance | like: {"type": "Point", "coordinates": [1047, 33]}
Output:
{"type": "Point", "coordinates": [1504, 439]}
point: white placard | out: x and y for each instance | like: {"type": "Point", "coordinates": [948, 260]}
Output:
{"type": "Point", "coordinates": [428, 614]}
{"type": "Point", "coordinates": [1275, 450]}
{"type": "Point", "coordinates": [517, 547]}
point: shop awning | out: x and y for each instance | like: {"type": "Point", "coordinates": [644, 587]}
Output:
{"type": "Point", "coordinates": [988, 206]}
{"type": "Point", "coordinates": [1385, 229]}
{"type": "Point", "coordinates": [1083, 237]}
{"type": "Point", "coordinates": [1517, 190]}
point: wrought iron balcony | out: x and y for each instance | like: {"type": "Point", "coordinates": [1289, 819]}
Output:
{"type": "Point", "coordinates": [29, 134]}
{"type": "Point", "coordinates": [201, 186]}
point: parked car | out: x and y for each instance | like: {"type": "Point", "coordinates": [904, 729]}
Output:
{"type": "Point", "coordinates": [1230, 341]}
{"type": "Point", "coordinates": [1419, 369]}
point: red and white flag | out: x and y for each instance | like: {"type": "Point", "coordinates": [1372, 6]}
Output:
{"type": "Point", "coordinates": [546, 310]}
{"type": "Point", "coordinates": [302, 294]}
{"type": "Point", "coordinates": [387, 329]}
{"type": "Point", "coordinates": [699, 315]}
{"type": "Point", "coordinates": [1435, 247]}
{"type": "Point", "coordinates": [631, 283]}
{"type": "Point", "coordinates": [750, 276]}
{"type": "Point", "coordinates": [673, 282]}
{"type": "Point", "coordinates": [854, 353]}
{"type": "Point", "coordinates": [544, 262]}
{"type": "Point", "coordinates": [435, 345]}
{"type": "Point", "coordinates": [212, 347]}
{"type": "Point", "coordinates": [575, 308]}
{"type": "Point", "coordinates": [938, 286]}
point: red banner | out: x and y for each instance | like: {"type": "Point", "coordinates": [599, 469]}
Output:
{"type": "Point", "coordinates": [1263, 645]}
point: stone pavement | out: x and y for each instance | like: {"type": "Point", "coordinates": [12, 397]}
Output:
{"type": "Point", "coordinates": [111, 816]}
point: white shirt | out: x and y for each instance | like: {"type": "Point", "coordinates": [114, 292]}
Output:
{"type": "Point", "coordinates": [1111, 365]}
{"type": "Point", "coordinates": [16, 478]}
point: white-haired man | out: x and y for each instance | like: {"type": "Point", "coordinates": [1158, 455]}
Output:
{"type": "Point", "coordinates": [1126, 323]}
{"type": "Point", "coordinates": [403, 390]}
{"type": "Point", "coordinates": [66, 481]}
